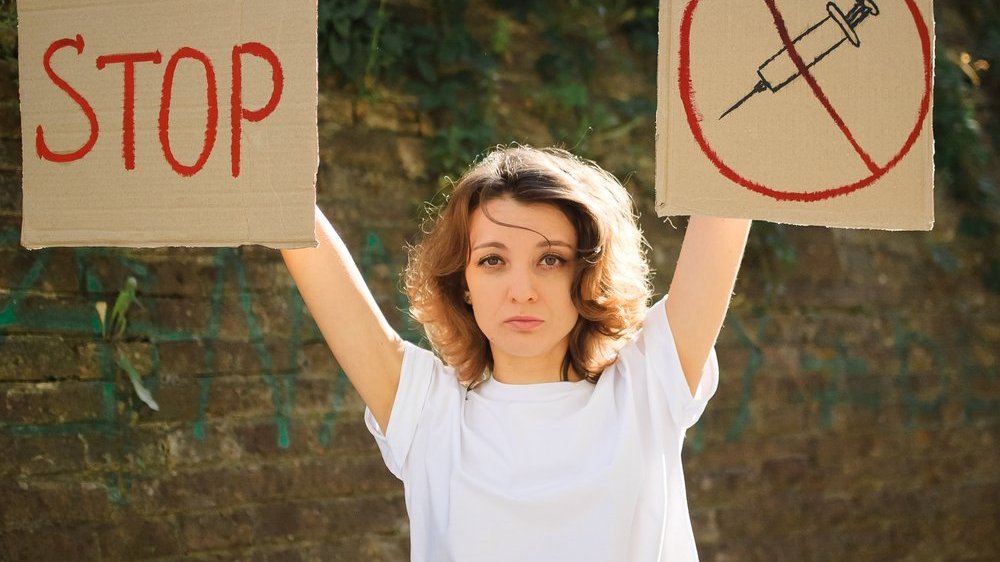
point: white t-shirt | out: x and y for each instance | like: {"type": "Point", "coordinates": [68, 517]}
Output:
{"type": "Point", "coordinates": [549, 471]}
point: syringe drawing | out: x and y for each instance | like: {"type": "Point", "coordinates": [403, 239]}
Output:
{"type": "Point", "coordinates": [812, 46]}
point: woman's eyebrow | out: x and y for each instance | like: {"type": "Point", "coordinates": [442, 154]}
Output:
{"type": "Point", "coordinates": [498, 245]}
{"type": "Point", "coordinates": [542, 244]}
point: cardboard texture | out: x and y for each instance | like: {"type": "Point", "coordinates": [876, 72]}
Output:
{"type": "Point", "coordinates": [129, 111]}
{"type": "Point", "coordinates": [797, 111]}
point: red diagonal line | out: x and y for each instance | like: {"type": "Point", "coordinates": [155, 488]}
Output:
{"type": "Point", "coordinates": [779, 23]}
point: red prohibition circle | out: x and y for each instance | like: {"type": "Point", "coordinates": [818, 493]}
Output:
{"type": "Point", "coordinates": [686, 90]}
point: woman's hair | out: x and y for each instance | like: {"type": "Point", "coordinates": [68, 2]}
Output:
{"type": "Point", "coordinates": [610, 283]}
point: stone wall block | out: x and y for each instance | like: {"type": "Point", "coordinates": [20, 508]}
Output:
{"type": "Point", "coordinates": [38, 453]}
{"type": "Point", "coordinates": [37, 358]}
{"type": "Point", "coordinates": [335, 109]}
{"type": "Point", "coordinates": [52, 402]}
{"type": "Point", "coordinates": [217, 530]}
{"type": "Point", "coordinates": [138, 538]}
{"type": "Point", "coordinates": [34, 502]}
{"type": "Point", "coordinates": [47, 543]}
{"type": "Point", "coordinates": [388, 112]}
{"type": "Point", "coordinates": [10, 194]}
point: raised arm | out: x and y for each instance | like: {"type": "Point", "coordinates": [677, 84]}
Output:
{"type": "Point", "coordinates": [702, 286]}
{"type": "Point", "coordinates": [365, 345]}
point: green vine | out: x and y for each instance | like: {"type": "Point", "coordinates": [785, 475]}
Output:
{"type": "Point", "coordinates": [453, 71]}
{"type": "Point", "coordinates": [453, 82]}
{"type": "Point", "coordinates": [353, 43]}
{"type": "Point", "coordinates": [8, 30]}
{"type": "Point", "coordinates": [966, 129]}
{"type": "Point", "coordinates": [581, 38]}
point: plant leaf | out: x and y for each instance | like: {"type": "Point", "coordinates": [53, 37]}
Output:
{"type": "Point", "coordinates": [140, 389]}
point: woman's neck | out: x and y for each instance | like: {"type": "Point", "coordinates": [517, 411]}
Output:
{"type": "Point", "coordinates": [510, 369]}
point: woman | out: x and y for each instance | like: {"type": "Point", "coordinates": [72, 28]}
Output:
{"type": "Point", "coordinates": [549, 424]}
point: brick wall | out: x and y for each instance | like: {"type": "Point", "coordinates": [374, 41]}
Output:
{"type": "Point", "coordinates": [857, 416]}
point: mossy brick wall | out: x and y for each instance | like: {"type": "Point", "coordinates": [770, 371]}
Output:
{"type": "Point", "coordinates": [857, 416]}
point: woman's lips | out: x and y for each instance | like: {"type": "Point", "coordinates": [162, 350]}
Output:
{"type": "Point", "coordinates": [523, 323]}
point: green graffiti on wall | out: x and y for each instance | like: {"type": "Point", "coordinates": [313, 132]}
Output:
{"type": "Point", "coordinates": [839, 378]}
{"type": "Point", "coordinates": [846, 379]}
{"type": "Point", "coordinates": [283, 393]}
{"type": "Point", "coordinates": [82, 320]}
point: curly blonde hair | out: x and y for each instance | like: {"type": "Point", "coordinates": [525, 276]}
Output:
{"type": "Point", "coordinates": [610, 287]}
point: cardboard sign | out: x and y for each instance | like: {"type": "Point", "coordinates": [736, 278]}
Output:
{"type": "Point", "coordinates": [169, 123]}
{"type": "Point", "coordinates": [804, 112]}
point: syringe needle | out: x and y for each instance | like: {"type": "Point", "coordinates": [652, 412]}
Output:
{"type": "Point", "coordinates": [812, 46]}
{"type": "Point", "coordinates": [760, 87]}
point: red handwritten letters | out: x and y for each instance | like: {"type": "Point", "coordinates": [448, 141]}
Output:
{"type": "Point", "coordinates": [238, 113]}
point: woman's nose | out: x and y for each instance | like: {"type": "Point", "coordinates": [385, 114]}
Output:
{"type": "Point", "coordinates": [522, 287]}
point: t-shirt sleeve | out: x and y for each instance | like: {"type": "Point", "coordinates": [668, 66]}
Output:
{"type": "Point", "coordinates": [657, 351]}
{"type": "Point", "coordinates": [421, 377]}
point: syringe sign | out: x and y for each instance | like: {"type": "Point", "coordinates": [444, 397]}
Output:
{"type": "Point", "coordinates": [812, 45]}
{"type": "Point", "coordinates": [715, 141]}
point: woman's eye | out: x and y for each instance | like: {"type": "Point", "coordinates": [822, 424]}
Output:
{"type": "Point", "coordinates": [491, 261]}
{"type": "Point", "coordinates": [552, 260]}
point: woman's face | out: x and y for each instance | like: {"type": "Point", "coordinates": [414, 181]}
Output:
{"type": "Point", "coordinates": [520, 280]}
